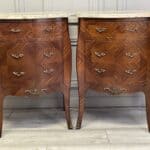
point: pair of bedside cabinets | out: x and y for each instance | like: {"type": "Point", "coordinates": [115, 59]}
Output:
{"type": "Point", "coordinates": [113, 57]}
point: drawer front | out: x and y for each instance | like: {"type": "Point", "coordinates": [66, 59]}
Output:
{"type": "Point", "coordinates": [113, 81]}
{"type": "Point", "coordinates": [49, 52]}
{"type": "Point", "coordinates": [18, 65]}
{"type": "Point", "coordinates": [49, 74]}
{"type": "Point", "coordinates": [99, 74]}
{"type": "Point", "coordinates": [131, 67]}
{"type": "Point", "coordinates": [116, 64]}
{"type": "Point", "coordinates": [48, 30]}
{"type": "Point", "coordinates": [15, 30]}
{"type": "Point", "coordinates": [20, 54]}
{"type": "Point", "coordinates": [37, 30]}
{"type": "Point", "coordinates": [21, 89]}
{"type": "Point", "coordinates": [14, 77]}
{"type": "Point", "coordinates": [100, 52]}
{"type": "Point", "coordinates": [109, 30]}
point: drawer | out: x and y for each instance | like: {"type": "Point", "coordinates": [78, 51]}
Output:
{"type": "Point", "coordinates": [18, 65]}
{"type": "Point", "coordinates": [20, 89]}
{"type": "Point", "coordinates": [132, 72]}
{"type": "Point", "coordinates": [49, 74]}
{"type": "Point", "coordinates": [116, 74]}
{"type": "Point", "coordinates": [15, 30]}
{"type": "Point", "coordinates": [120, 70]}
{"type": "Point", "coordinates": [49, 52]}
{"type": "Point", "coordinates": [21, 54]}
{"type": "Point", "coordinates": [38, 30]}
{"type": "Point", "coordinates": [122, 89]}
{"type": "Point", "coordinates": [99, 73]}
{"type": "Point", "coordinates": [128, 52]}
{"type": "Point", "coordinates": [14, 77]}
{"type": "Point", "coordinates": [101, 52]}
{"type": "Point", "coordinates": [107, 30]}
{"type": "Point", "coordinates": [47, 30]}
{"type": "Point", "coordinates": [114, 81]}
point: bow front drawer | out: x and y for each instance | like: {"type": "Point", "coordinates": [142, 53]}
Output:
{"type": "Point", "coordinates": [109, 30]}
{"type": "Point", "coordinates": [31, 30]}
{"type": "Point", "coordinates": [15, 30]}
{"type": "Point", "coordinates": [20, 54]}
{"type": "Point", "coordinates": [16, 76]}
{"type": "Point", "coordinates": [49, 74]}
{"type": "Point", "coordinates": [48, 30]}
{"type": "Point", "coordinates": [49, 52]}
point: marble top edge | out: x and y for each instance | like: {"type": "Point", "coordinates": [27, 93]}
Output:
{"type": "Point", "coordinates": [33, 15]}
{"type": "Point", "coordinates": [75, 15]}
{"type": "Point", "coordinates": [116, 14]}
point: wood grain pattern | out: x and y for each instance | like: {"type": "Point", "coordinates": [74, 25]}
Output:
{"type": "Point", "coordinates": [112, 58]}
{"type": "Point", "coordinates": [35, 58]}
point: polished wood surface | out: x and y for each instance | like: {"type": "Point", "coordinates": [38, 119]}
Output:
{"type": "Point", "coordinates": [113, 58]}
{"type": "Point", "coordinates": [35, 59]}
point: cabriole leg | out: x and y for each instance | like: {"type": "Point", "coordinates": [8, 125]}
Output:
{"type": "Point", "coordinates": [67, 108]}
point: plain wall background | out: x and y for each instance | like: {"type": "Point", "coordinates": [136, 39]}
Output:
{"type": "Point", "coordinates": [72, 6]}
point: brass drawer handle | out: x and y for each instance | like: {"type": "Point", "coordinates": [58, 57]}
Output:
{"type": "Point", "coordinates": [131, 29]}
{"type": "Point", "coordinates": [17, 56]}
{"type": "Point", "coordinates": [15, 30]}
{"type": "Point", "coordinates": [130, 55]}
{"type": "Point", "coordinates": [44, 91]}
{"type": "Point", "coordinates": [48, 55]}
{"type": "Point", "coordinates": [100, 30]}
{"type": "Point", "coordinates": [27, 91]}
{"type": "Point", "coordinates": [50, 29]}
{"type": "Point", "coordinates": [109, 37]}
{"type": "Point", "coordinates": [18, 74]}
{"type": "Point", "coordinates": [32, 92]}
{"type": "Point", "coordinates": [130, 71]}
{"type": "Point", "coordinates": [101, 54]}
{"type": "Point", "coordinates": [100, 71]}
{"type": "Point", "coordinates": [115, 91]}
{"type": "Point", "coordinates": [48, 71]}
{"type": "Point", "coordinates": [35, 92]}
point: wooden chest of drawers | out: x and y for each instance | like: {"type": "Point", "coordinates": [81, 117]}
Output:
{"type": "Point", "coordinates": [113, 57]}
{"type": "Point", "coordinates": [35, 59]}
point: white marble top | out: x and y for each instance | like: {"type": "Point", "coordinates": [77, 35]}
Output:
{"type": "Point", "coordinates": [110, 14]}
{"type": "Point", "coordinates": [73, 17]}
{"type": "Point", "coordinates": [33, 15]}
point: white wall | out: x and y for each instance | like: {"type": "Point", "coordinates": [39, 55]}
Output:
{"type": "Point", "coordinates": [73, 6]}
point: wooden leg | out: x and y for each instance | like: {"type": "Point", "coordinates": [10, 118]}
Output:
{"type": "Point", "coordinates": [63, 103]}
{"type": "Point", "coordinates": [1, 114]}
{"type": "Point", "coordinates": [147, 98]}
{"type": "Point", "coordinates": [80, 111]}
{"type": "Point", "coordinates": [67, 108]}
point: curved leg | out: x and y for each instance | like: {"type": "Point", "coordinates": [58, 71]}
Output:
{"type": "Point", "coordinates": [81, 110]}
{"type": "Point", "coordinates": [80, 64]}
{"type": "Point", "coordinates": [1, 113]}
{"type": "Point", "coordinates": [63, 103]}
{"type": "Point", "coordinates": [67, 108]}
{"type": "Point", "coordinates": [147, 98]}
{"type": "Point", "coordinates": [67, 74]}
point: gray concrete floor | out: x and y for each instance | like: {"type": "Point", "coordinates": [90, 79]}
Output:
{"type": "Point", "coordinates": [103, 128]}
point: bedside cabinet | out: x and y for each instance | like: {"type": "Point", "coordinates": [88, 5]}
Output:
{"type": "Point", "coordinates": [113, 56]}
{"type": "Point", "coordinates": [35, 58]}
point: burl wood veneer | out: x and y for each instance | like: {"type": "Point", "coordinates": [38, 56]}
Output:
{"type": "Point", "coordinates": [35, 59]}
{"type": "Point", "coordinates": [113, 57]}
